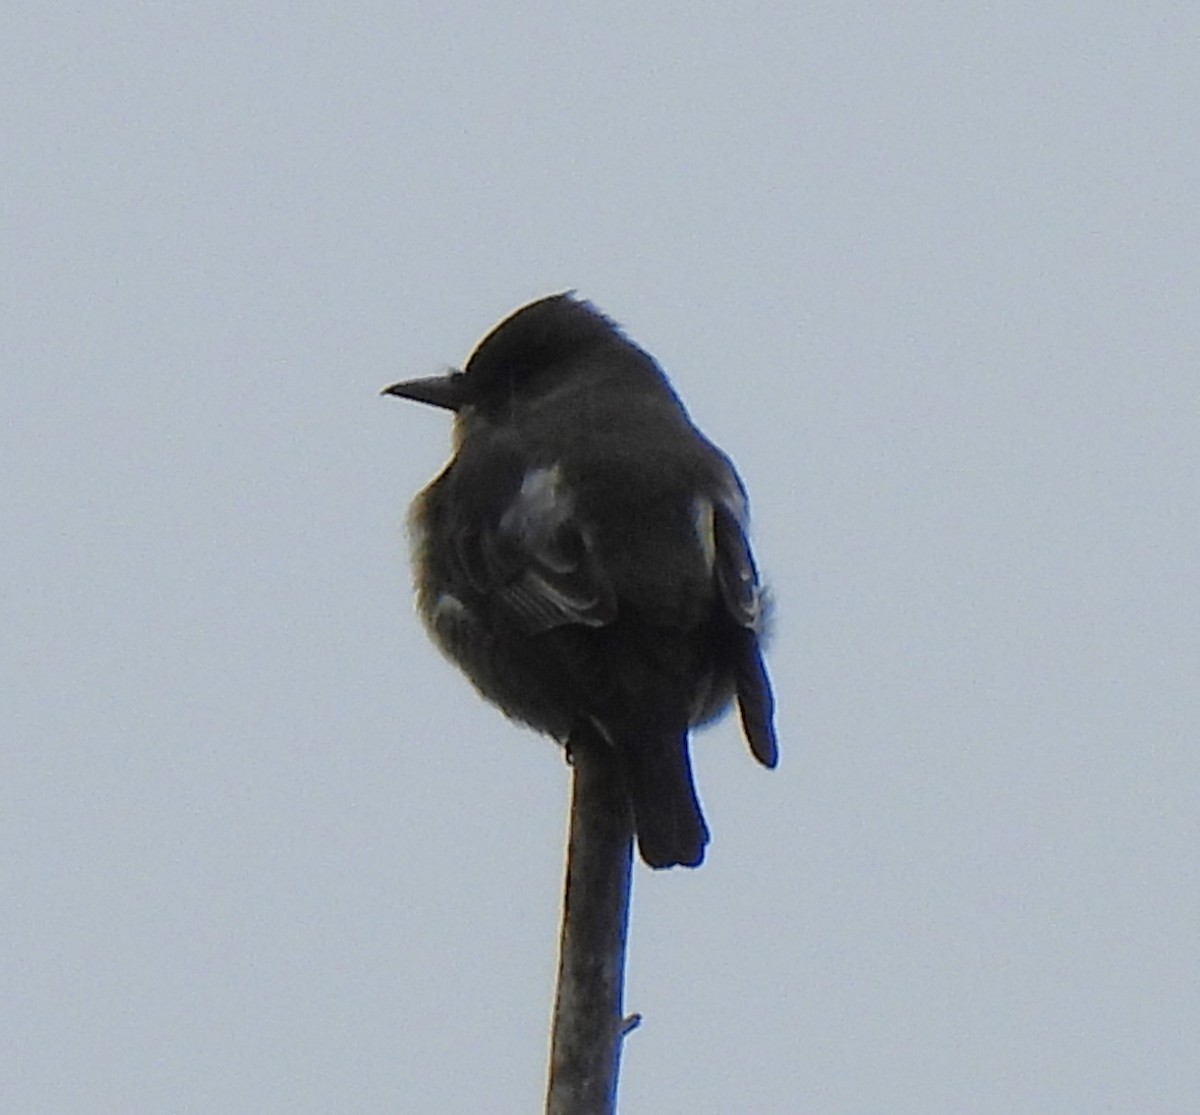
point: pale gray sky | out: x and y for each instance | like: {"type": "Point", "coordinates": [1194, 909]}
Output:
{"type": "Point", "coordinates": [929, 274]}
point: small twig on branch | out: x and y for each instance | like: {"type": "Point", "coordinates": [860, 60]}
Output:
{"type": "Point", "coordinates": [589, 1025]}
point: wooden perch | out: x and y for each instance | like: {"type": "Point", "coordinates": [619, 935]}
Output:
{"type": "Point", "coordinates": [589, 1024]}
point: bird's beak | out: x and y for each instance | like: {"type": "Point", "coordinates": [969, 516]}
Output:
{"type": "Point", "coordinates": [439, 391]}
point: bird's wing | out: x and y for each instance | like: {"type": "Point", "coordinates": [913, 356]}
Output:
{"type": "Point", "coordinates": [742, 594]}
{"type": "Point", "coordinates": [538, 561]}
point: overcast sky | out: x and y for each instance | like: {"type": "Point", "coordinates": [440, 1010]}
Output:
{"type": "Point", "coordinates": [928, 272]}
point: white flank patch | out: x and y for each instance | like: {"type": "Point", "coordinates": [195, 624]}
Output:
{"type": "Point", "coordinates": [541, 507]}
{"type": "Point", "coordinates": [447, 606]}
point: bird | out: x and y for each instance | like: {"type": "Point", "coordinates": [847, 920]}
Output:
{"type": "Point", "coordinates": [583, 558]}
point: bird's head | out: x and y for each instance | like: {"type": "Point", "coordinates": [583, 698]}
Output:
{"type": "Point", "coordinates": [533, 350]}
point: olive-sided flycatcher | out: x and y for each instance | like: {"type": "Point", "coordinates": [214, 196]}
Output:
{"type": "Point", "coordinates": [583, 558]}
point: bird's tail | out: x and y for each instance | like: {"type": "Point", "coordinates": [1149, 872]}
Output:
{"type": "Point", "coordinates": [666, 812]}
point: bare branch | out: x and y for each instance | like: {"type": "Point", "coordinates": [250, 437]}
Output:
{"type": "Point", "coordinates": [589, 1023]}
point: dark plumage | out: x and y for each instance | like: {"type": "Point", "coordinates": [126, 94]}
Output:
{"type": "Point", "coordinates": [583, 558]}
